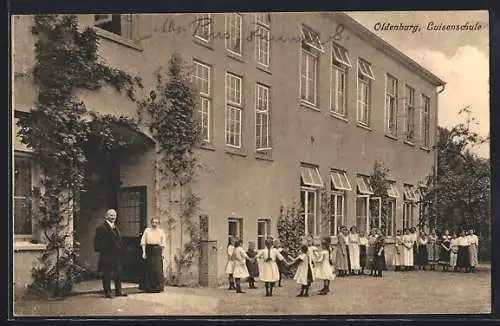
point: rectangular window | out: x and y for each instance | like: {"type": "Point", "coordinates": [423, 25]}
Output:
{"type": "Point", "coordinates": [262, 117]}
{"type": "Point", "coordinates": [263, 232]}
{"type": "Point", "coordinates": [391, 218]}
{"type": "Point", "coordinates": [233, 110]}
{"type": "Point", "coordinates": [202, 77]}
{"type": "Point", "coordinates": [308, 76]}
{"type": "Point", "coordinates": [391, 105]}
{"type": "Point", "coordinates": [338, 211]}
{"type": "Point", "coordinates": [23, 170]}
{"type": "Point", "coordinates": [426, 103]}
{"type": "Point", "coordinates": [409, 199]}
{"type": "Point", "coordinates": [235, 228]}
{"type": "Point", "coordinates": [203, 26]}
{"type": "Point", "coordinates": [338, 90]}
{"type": "Point", "coordinates": [309, 192]}
{"type": "Point", "coordinates": [409, 193]}
{"type": "Point", "coordinates": [365, 78]}
{"type": "Point", "coordinates": [233, 32]}
{"type": "Point", "coordinates": [117, 24]}
{"type": "Point", "coordinates": [311, 39]}
{"type": "Point", "coordinates": [410, 113]}
{"type": "Point", "coordinates": [362, 212]}
{"type": "Point", "coordinates": [262, 35]}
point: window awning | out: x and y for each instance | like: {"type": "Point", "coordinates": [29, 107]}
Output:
{"type": "Point", "coordinates": [312, 39]}
{"type": "Point", "coordinates": [409, 193]}
{"type": "Point", "coordinates": [364, 186]}
{"type": "Point", "coordinates": [310, 176]}
{"type": "Point", "coordinates": [339, 180]}
{"type": "Point", "coordinates": [340, 55]}
{"type": "Point", "coordinates": [392, 190]}
{"type": "Point", "coordinates": [365, 69]}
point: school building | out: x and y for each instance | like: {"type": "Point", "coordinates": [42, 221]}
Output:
{"type": "Point", "coordinates": [291, 103]}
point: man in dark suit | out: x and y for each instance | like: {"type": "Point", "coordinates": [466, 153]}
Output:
{"type": "Point", "coordinates": [108, 244]}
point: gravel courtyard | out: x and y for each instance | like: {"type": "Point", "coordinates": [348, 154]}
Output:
{"type": "Point", "coordinates": [415, 292]}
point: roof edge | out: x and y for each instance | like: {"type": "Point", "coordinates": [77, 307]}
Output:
{"type": "Point", "coordinates": [383, 45]}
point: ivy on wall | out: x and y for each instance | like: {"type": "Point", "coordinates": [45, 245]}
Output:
{"type": "Point", "coordinates": [379, 183]}
{"type": "Point", "coordinates": [58, 131]}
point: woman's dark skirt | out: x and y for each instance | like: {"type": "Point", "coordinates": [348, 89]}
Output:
{"type": "Point", "coordinates": [463, 260]}
{"type": "Point", "coordinates": [415, 253]}
{"type": "Point", "coordinates": [153, 278]}
{"type": "Point", "coordinates": [422, 257]}
{"type": "Point", "coordinates": [444, 256]}
{"type": "Point", "coordinates": [380, 263]}
{"type": "Point", "coordinates": [362, 256]}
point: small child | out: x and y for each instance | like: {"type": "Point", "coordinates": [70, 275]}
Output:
{"type": "Point", "coordinates": [304, 275]}
{"type": "Point", "coordinates": [453, 252]}
{"type": "Point", "coordinates": [269, 272]}
{"type": "Point", "coordinates": [398, 253]}
{"type": "Point", "coordinates": [281, 263]}
{"type": "Point", "coordinates": [323, 268]}
{"type": "Point", "coordinates": [252, 265]}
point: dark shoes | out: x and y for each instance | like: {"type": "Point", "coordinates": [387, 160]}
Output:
{"type": "Point", "coordinates": [121, 294]}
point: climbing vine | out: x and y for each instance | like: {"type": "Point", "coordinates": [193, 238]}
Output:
{"type": "Point", "coordinates": [171, 112]}
{"type": "Point", "coordinates": [59, 131]}
{"type": "Point", "coordinates": [378, 181]}
{"type": "Point", "coordinates": [291, 231]}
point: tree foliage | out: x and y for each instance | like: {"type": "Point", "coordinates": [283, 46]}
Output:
{"type": "Point", "coordinates": [379, 183]}
{"type": "Point", "coordinates": [460, 190]}
{"type": "Point", "coordinates": [290, 227]}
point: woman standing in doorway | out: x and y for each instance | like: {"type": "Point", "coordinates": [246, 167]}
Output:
{"type": "Point", "coordinates": [153, 242]}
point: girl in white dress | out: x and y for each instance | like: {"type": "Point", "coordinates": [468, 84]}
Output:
{"type": "Point", "coordinates": [230, 263]}
{"type": "Point", "coordinates": [473, 250]}
{"type": "Point", "coordinates": [240, 265]}
{"type": "Point", "coordinates": [353, 245]}
{"type": "Point", "coordinates": [407, 250]}
{"type": "Point", "coordinates": [398, 254]}
{"type": "Point", "coordinates": [268, 268]}
{"type": "Point", "coordinates": [304, 275]}
{"type": "Point", "coordinates": [453, 252]}
{"type": "Point", "coordinates": [323, 270]}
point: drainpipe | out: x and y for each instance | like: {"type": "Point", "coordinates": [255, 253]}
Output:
{"type": "Point", "coordinates": [436, 136]}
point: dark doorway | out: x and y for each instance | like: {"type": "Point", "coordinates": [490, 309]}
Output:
{"type": "Point", "coordinates": [132, 220]}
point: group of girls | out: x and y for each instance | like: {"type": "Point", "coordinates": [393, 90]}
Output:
{"type": "Point", "coordinates": [357, 252]}
{"type": "Point", "coordinates": [451, 252]}
{"type": "Point", "coordinates": [313, 263]}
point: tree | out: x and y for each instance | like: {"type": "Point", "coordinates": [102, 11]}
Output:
{"type": "Point", "coordinates": [378, 181]}
{"type": "Point", "coordinates": [462, 183]}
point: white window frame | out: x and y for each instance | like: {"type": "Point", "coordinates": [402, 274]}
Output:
{"type": "Point", "coordinates": [262, 42]}
{"type": "Point", "coordinates": [364, 104]}
{"type": "Point", "coordinates": [205, 98]}
{"type": "Point", "coordinates": [365, 69]}
{"type": "Point", "coordinates": [262, 113]}
{"type": "Point", "coordinates": [307, 205]}
{"type": "Point", "coordinates": [410, 130]}
{"type": "Point", "coordinates": [425, 120]}
{"type": "Point", "coordinates": [309, 56]}
{"type": "Point", "coordinates": [233, 137]}
{"type": "Point", "coordinates": [391, 102]}
{"type": "Point", "coordinates": [204, 27]}
{"type": "Point", "coordinates": [408, 214]}
{"type": "Point", "coordinates": [27, 157]}
{"type": "Point", "coordinates": [391, 218]}
{"type": "Point", "coordinates": [127, 25]}
{"type": "Point", "coordinates": [107, 18]}
{"type": "Point", "coordinates": [366, 199]}
{"type": "Point", "coordinates": [265, 22]}
{"type": "Point", "coordinates": [239, 227]}
{"type": "Point", "coordinates": [364, 186]}
{"type": "Point", "coordinates": [340, 181]}
{"type": "Point", "coordinates": [267, 231]}
{"type": "Point", "coordinates": [392, 189]}
{"type": "Point", "coordinates": [340, 64]}
{"type": "Point", "coordinates": [228, 87]}
{"type": "Point", "coordinates": [409, 193]}
{"type": "Point", "coordinates": [308, 173]}
{"type": "Point", "coordinates": [337, 196]}
{"type": "Point", "coordinates": [234, 35]}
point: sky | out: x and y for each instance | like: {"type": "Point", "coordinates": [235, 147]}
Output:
{"type": "Point", "coordinates": [460, 58]}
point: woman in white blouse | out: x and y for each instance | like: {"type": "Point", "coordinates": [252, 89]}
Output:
{"type": "Point", "coordinates": [473, 250]}
{"type": "Point", "coordinates": [152, 243]}
{"type": "Point", "coordinates": [353, 246]}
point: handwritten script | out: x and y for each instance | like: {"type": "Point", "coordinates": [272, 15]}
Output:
{"type": "Point", "coordinates": [200, 26]}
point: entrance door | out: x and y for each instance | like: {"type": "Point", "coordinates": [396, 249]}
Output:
{"type": "Point", "coordinates": [132, 220]}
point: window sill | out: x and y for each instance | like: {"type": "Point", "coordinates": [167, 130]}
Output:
{"type": "Point", "coordinates": [363, 126]}
{"type": "Point", "coordinates": [391, 137]}
{"type": "Point", "coordinates": [204, 43]}
{"type": "Point", "coordinates": [235, 56]}
{"type": "Point", "coordinates": [117, 39]}
{"type": "Point", "coordinates": [427, 149]}
{"type": "Point", "coordinates": [409, 143]}
{"type": "Point", "coordinates": [338, 116]}
{"type": "Point", "coordinates": [264, 155]}
{"type": "Point", "coordinates": [207, 146]}
{"type": "Point", "coordinates": [263, 68]}
{"type": "Point", "coordinates": [308, 105]}
{"type": "Point", "coordinates": [236, 151]}
{"type": "Point", "coordinates": [28, 246]}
